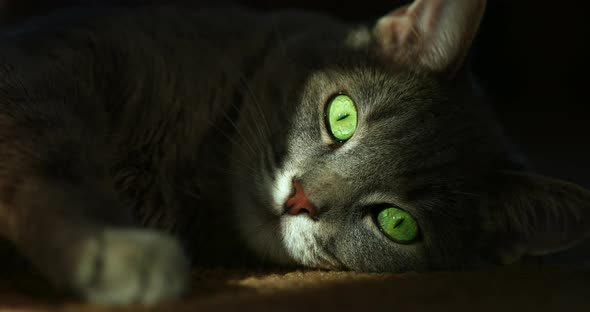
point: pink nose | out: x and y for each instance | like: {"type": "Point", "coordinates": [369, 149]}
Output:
{"type": "Point", "coordinates": [298, 202]}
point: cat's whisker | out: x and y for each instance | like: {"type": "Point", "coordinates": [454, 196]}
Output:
{"type": "Point", "coordinates": [466, 193]}
{"type": "Point", "coordinates": [237, 71]}
{"type": "Point", "coordinates": [257, 137]}
{"type": "Point", "coordinates": [261, 129]}
{"type": "Point", "coordinates": [256, 128]}
{"type": "Point", "coordinates": [270, 158]}
{"type": "Point", "coordinates": [233, 140]}
{"type": "Point", "coordinates": [245, 140]}
{"type": "Point", "coordinates": [254, 147]}
{"type": "Point", "coordinates": [243, 80]}
{"type": "Point", "coordinates": [264, 129]}
{"type": "Point", "coordinates": [266, 241]}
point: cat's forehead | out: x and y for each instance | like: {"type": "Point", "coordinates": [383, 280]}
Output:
{"type": "Point", "coordinates": [407, 125]}
{"type": "Point", "coordinates": [383, 94]}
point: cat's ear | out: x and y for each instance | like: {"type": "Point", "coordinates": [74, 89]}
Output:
{"type": "Point", "coordinates": [433, 35]}
{"type": "Point", "coordinates": [534, 215]}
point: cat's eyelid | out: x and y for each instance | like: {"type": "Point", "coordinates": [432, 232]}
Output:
{"type": "Point", "coordinates": [381, 199]}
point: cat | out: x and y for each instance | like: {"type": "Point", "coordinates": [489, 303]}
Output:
{"type": "Point", "coordinates": [134, 140]}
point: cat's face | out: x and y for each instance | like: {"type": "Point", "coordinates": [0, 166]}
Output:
{"type": "Point", "coordinates": [414, 146]}
{"type": "Point", "coordinates": [351, 160]}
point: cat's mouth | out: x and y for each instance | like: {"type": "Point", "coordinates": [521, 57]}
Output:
{"type": "Point", "coordinates": [300, 238]}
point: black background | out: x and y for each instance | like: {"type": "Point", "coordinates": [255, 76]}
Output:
{"type": "Point", "coordinates": [531, 56]}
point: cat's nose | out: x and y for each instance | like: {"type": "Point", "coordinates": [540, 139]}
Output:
{"type": "Point", "coordinates": [298, 202]}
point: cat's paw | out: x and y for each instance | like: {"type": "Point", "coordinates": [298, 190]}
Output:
{"type": "Point", "coordinates": [124, 266]}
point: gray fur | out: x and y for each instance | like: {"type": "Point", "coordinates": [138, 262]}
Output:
{"type": "Point", "coordinates": [194, 123]}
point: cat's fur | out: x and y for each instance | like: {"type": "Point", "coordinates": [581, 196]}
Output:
{"type": "Point", "coordinates": [195, 123]}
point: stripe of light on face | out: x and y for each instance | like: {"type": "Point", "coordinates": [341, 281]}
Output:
{"type": "Point", "coordinates": [282, 188]}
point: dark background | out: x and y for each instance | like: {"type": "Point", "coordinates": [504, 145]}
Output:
{"type": "Point", "coordinates": [531, 56]}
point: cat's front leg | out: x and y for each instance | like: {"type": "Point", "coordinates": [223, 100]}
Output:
{"type": "Point", "coordinates": [85, 244]}
{"type": "Point", "coordinates": [58, 207]}
{"type": "Point", "coordinates": [122, 265]}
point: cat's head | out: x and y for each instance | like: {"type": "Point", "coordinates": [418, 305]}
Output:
{"type": "Point", "coordinates": [368, 148]}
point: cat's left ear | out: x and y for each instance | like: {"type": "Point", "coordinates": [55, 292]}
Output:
{"type": "Point", "coordinates": [430, 35]}
{"type": "Point", "coordinates": [533, 215]}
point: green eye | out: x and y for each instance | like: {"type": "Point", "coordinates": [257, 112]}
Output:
{"type": "Point", "coordinates": [341, 117]}
{"type": "Point", "coordinates": [398, 225]}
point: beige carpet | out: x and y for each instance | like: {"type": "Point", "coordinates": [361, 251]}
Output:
{"type": "Point", "coordinates": [508, 289]}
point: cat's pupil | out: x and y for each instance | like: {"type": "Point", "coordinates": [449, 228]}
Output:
{"type": "Point", "coordinates": [398, 222]}
{"type": "Point", "coordinates": [342, 116]}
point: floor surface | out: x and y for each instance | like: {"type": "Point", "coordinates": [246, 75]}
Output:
{"type": "Point", "coordinates": [508, 289]}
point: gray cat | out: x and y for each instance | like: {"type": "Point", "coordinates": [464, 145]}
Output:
{"type": "Point", "coordinates": [131, 141]}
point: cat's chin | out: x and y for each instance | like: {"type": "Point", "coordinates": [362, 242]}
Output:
{"type": "Point", "coordinates": [302, 239]}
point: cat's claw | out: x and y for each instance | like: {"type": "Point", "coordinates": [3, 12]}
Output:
{"type": "Point", "coordinates": [123, 266]}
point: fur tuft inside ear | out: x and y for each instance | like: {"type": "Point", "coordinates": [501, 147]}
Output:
{"type": "Point", "coordinates": [432, 35]}
{"type": "Point", "coordinates": [535, 215]}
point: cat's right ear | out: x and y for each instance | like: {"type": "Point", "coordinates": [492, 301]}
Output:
{"type": "Point", "coordinates": [430, 35]}
{"type": "Point", "coordinates": [527, 214]}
